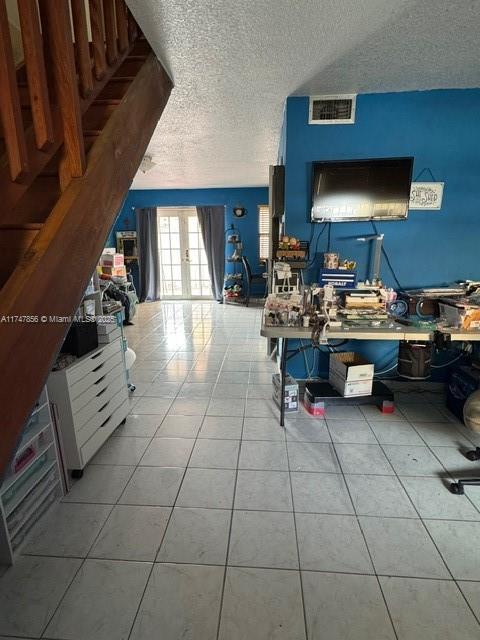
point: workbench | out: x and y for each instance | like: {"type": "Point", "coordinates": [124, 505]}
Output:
{"type": "Point", "coordinates": [394, 331]}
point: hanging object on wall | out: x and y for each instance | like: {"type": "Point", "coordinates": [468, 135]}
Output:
{"type": "Point", "coordinates": [239, 212]}
{"type": "Point", "coordinates": [426, 195]}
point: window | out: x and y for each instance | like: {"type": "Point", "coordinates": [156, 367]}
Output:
{"type": "Point", "coordinates": [264, 225]}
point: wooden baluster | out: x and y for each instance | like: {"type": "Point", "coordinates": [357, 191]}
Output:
{"type": "Point", "coordinates": [82, 47]}
{"type": "Point", "coordinates": [110, 31]}
{"type": "Point", "coordinates": [132, 28]}
{"type": "Point", "coordinates": [56, 25]}
{"type": "Point", "coordinates": [10, 110]}
{"type": "Point", "coordinates": [122, 25]}
{"type": "Point", "coordinates": [36, 75]}
{"type": "Point", "coordinates": [96, 23]}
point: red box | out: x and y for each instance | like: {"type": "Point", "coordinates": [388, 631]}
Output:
{"type": "Point", "coordinates": [317, 409]}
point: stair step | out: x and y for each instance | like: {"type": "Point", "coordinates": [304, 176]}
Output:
{"type": "Point", "coordinates": [141, 47]}
{"type": "Point", "coordinates": [97, 116]}
{"type": "Point", "coordinates": [15, 240]}
{"type": "Point", "coordinates": [130, 66]}
{"type": "Point", "coordinates": [115, 88]}
{"type": "Point", "coordinates": [37, 203]}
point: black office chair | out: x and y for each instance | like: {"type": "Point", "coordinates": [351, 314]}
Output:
{"type": "Point", "coordinates": [252, 279]}
{"type": "Point", "coordinates": [458, 487]}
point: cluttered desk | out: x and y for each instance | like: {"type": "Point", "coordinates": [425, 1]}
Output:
{"type": "Point", "coordinates": [339, 308]}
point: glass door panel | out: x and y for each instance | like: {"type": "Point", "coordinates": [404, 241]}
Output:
{"type": "Point", "coordinates": [182, 257]}
{"type": "Point", "coordinates": [170, 255]}
{"type": "Point", "coordinates": [199, 277]}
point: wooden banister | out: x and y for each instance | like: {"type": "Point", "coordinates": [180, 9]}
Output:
{"type": "Point", "coordinates": [110, 31]}
{"type": "Point", "coordinates": [35, 70]}
{"type": "Point", "coordinates": [98, 42]}
{"type": "Point", "coordinates": [40, 104]}
{"type": "Point", "coordinates": [10, 109]}
{"type": "Point", "coordinates": [122, 24]}
{"type": "Point", "coordinates": [82, 47]}
{"type": "Point", "coordinates": [56, 23]}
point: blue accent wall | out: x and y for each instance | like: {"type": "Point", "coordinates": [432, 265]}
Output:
{"type": "Point", "coordinates": [441, 130]}
{"type": "Point", "coordinates": [249, 198]}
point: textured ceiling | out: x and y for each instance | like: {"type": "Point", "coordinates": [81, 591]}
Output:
{"type": "Point", "coordinates": [235, 61]}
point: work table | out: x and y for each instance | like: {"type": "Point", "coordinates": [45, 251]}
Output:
{"type": "Point", "coordinates": [395, 331]}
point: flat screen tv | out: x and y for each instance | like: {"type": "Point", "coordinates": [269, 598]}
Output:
{"type": "Point", "coordinates": [349, 190]}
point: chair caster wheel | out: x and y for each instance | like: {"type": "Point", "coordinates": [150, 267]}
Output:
{"type": "Point", "coordinates": [77, 474]}
{"type": "Point", "coordinates": [473, 455]}
{"type": "Point", "coordinates": [456, 489]}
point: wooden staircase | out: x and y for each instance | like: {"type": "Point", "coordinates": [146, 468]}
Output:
{"type": "Point", "coordinates": [76, 119]}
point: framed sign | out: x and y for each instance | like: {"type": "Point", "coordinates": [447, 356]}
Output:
{"type": "Point", "coordinates": [426, 195]}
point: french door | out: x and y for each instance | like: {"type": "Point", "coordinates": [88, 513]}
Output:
{"type": "Point", "coordinates": [182, 258]}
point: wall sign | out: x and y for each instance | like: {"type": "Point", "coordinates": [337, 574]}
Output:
{"type": "Point", "coordinates": [426, 195]}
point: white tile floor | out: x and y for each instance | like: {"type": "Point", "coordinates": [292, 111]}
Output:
{"type": "Point", "coordinates": [201, 519]}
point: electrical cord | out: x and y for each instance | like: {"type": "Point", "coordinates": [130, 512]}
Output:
{"type": "Point", "coordinates": [387, 259]}
{"type": "Point", "coordinates": [307, 367]}
{"type": "Point", "coordinates": [379, 373]}
{"type": "Point", "coordinates": [312, 260]}
{"type": "Point", "coordinates": [447, 364]}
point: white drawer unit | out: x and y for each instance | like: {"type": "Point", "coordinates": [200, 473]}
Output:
{"type": "Point", "coordinates": [32, 481]}
{"type": "Point", "coordinates": [90, 400]}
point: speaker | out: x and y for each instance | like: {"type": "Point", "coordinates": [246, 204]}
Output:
{"type": "Point", "coordinates": [276, 190]}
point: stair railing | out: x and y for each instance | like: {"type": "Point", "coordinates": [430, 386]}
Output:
{"type": "Point", "coordinates": [71, 48]}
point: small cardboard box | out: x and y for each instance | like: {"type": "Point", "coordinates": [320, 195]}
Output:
{"type": "Point", "coordinates": [115, 271]}
{"type": "Point", "coordinates": [112, 260]}
{"type": "Point", "coordinates": [291, 392]}
{"type": "Point", "coordinates": [350, 374]}
{"type": "Point", "coordinates": [107, 338]}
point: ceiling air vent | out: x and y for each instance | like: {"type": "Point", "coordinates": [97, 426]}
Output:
{"type": "Point", "coordinates": [332, 109]}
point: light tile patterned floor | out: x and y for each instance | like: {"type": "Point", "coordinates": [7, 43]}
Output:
{"type": "Point", "coordinates": [201, 519]}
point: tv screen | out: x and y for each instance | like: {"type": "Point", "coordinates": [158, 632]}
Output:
{"type": "Point", "coordinates": [361, 190]}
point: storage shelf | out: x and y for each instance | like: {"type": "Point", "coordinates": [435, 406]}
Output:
{"type": "Point", "coordinates": [33, 435]}
{"type": "Point", "coordinates": [37, 477]}
{"type": "Point", "coordinates": [35, 507]}
{"type": "Point", "coordinates": [39, 408]}
{"type": "Point", "coordinates": [11, 481]}
{"type": "Point", "coordinates": [27, 494]}
{"type": "Point", "coordinates": [43, 507]}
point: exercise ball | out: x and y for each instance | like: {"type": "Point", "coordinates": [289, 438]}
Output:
{"type": "Point", "coordinates": [471, 411]}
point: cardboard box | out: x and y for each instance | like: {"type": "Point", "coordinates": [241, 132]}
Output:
{"type": "Point", "coordinates": [351, 374]}
{"type": "Point", "coordinates": [107, 338]}
{"type": "Point", "coordinates": [351, 389]}
{"type": "Point", "coordinates": [112, 260]}
{"type": "Point", "coordinates": [120, 272]}
{"type": "Point", "coordinates": [291, 392]}
{"type": "Point", "coordinates": [103, 328]}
